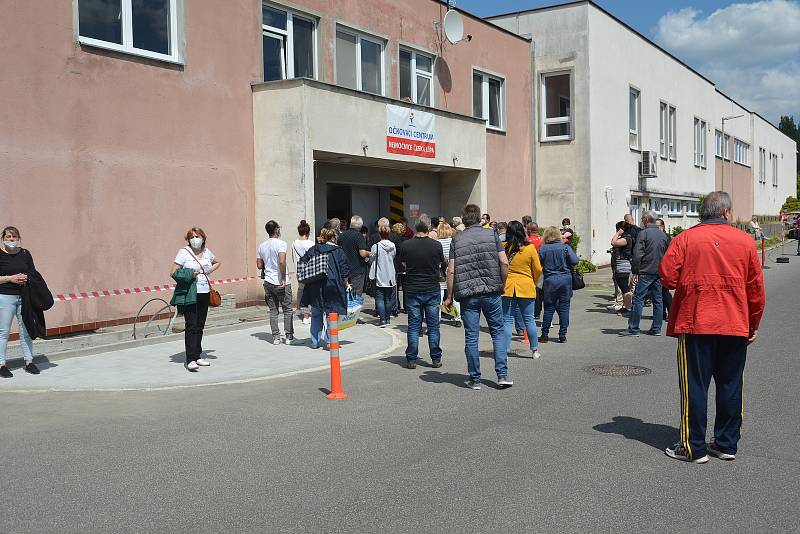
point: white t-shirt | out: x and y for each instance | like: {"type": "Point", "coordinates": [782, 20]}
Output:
{"type": "Point", "coordinates": [185, 260]}
{"type": "Point", "coordinates": [299, 249]}
{"type": "Point", "coordinates": [268, 253]}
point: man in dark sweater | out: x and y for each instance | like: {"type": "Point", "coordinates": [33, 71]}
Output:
{"type": "Point", "coordinates": [423, 260]}
{"type": "Point", "coordinates": [354, 246]}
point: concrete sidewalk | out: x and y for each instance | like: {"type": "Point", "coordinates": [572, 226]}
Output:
{"type": "Point", "coordinates": [240, 356]}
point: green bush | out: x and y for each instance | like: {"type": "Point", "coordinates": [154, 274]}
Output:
{"type": "Point", "coordinates": [585, 266]}
{"type": "Point", "coordinates": [576, 239]}
{"type": "Point", "coordinates": [676, 230]}
{"type": "Point", "coordinates": [791, 204]}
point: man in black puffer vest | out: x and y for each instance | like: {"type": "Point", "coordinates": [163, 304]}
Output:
{"type": "Point", "coordinates": [476, 276]}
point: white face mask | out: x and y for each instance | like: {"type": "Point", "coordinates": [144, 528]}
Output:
{"type": "Point", "coordinates": [11, 244]}
{"type": "Point", "coordinates": [196, 242]}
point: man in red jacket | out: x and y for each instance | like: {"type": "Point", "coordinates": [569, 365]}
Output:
{"type": "Point", "coordinates": [717, 307]}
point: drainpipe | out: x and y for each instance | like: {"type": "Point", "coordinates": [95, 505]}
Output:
{"type": "Point", "coordinates": [533, 131]}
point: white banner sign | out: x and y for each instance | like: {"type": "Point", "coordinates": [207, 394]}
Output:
{"type": "Point", "coordinates": [410, 132]}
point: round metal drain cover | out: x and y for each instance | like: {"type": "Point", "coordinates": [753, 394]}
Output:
{"type": "Point", "coordinates": [618, 370]}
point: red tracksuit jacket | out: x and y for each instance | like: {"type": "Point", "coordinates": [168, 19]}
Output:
{"type": "Point", "coordinates": [719, 286]}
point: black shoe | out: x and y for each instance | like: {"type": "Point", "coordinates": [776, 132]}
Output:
{"type": "Point", "coordinates": [543, 339]}
{"type": "Point", "coordinates": [436, 363]}
{"type": "Point", "coordinates": [411, 365]}
{"type": "Point", "coordinates": [31, 368]}
{"type": "Point", "coordinates": [5, 372]}
{"type": "Point", "coordinates": [562, 339]}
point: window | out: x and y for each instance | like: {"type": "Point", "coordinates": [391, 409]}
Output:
{"type": "Point", "coordinates": [634, 118]}
{"type": "Point", "coordinates": [289, 44]}
{"type": "Point", "coordinates": [675, 208]}
{"type": "Point", "coordinates": [693, 208]}
{"type": "Point", "coordinates": [416, 77]}
{"type": "Point", "coordinates": [146, 28]}
{"type": "Point", "coordinates": [488, 100]}
{"type": "Point", "coordinates": [762, 166]}
{"type": "Point", "coordinates": [718, 143]}
{"type": "Point", "coordinates": [662, 130]}
{"type": "Point", "coordinates": [774, 162]}
{"type": "Point", "coordinates": [556, 106]}
{"type": "Point", "coordinates": [741, 152]}
{"type": "Point", "coordinates": [673, 135]}
{"type": "Point", "coordinates": [727, 147]}
{"type": "Point", "coordinates": [655, 205]}
{"type": "Point", "coordinates": [699, 143]}
{"type": "Point", "coordinates": [359, 62]}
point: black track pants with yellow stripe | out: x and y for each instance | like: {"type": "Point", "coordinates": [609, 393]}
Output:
{"type": "Point", "coordinates": [702, 357]}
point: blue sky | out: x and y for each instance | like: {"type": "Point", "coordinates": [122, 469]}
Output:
{"type": "Point", "coordinates": [750, 49]}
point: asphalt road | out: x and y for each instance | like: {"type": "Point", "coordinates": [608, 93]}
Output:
{"type": "Point", "coordinates": [413, 450]}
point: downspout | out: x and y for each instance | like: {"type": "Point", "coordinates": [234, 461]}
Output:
{"type": "Point", "coordinates": [533, 130]}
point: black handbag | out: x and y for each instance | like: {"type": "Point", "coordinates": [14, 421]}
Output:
{"type": "Point", "coordinates": [577, 278]}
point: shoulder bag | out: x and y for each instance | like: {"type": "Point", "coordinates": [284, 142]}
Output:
{"type": "Point", "coordinates": [577, 277]}
{"type": "Point", "coordinates": [214, 298]}
{"type": "Point", "coordinates": [314, 269]}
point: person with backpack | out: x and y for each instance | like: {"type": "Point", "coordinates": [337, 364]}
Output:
{"type": "Point", "coordinates": [327, 292]}
{"type": "Point", "coordinates": [15, 265]}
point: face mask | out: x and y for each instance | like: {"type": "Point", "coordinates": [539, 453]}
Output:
{"type": "Point", "coordinates": [196, 242]}
{"type": "Point", "coordinates": [11, 244]}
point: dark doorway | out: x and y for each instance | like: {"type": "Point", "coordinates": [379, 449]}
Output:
{"type": "Point", "coordinates": [339, 201]}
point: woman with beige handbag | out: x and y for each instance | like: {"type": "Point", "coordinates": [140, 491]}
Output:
{"type": "Point", "coordinates": [195, 262]}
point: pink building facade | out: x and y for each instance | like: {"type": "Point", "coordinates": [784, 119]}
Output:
{"type": "Point", "coordinates": [123, 128]}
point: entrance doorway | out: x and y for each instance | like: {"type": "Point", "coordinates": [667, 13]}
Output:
{"type": "Point", "coordinates": [346, 200]}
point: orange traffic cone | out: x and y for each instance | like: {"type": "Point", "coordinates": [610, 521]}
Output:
{"type": "Point", "coordinates": [525, 337]}
{"type": "Point", "coordinates": [336, 371]}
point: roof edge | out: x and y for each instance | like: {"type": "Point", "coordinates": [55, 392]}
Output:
{"type": "Point", "coordinates": [485, 21]}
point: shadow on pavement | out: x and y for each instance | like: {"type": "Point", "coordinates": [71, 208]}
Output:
{"type": "Point", "coordinates": [490, 354]}
{"type": "Point", "coordinates": [438, 377]}
{"type": "Point", "coordinates": [180, 357]}
{"type": "Point", "coordinates": [653, 434]}
{"type": "Point", "coordinates": [298, 342]}
{"type": "Point", "coordinates": [41, 361]}
{"type": "Point", "coordinates": [613, 331]}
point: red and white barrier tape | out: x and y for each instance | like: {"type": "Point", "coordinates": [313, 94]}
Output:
{"type": "Point", "coordinates": [137, 290]}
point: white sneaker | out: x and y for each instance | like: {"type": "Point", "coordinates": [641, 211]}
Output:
{"type": "Point", "coordinates": [192, 366]}
{"type": "Point", "coordinates": [202, 362]}
{"type": "Point", "coordinates": [288, 340]}
{"type": "Point", "coordinates": [536, 354]}
{"type": "Point", "coordinates": [276, 340]}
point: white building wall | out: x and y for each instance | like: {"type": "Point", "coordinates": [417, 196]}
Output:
{"type": "Point", "coordinates": [560, 43]}
{"type": "Point", "coordinates": [621, 59]}
{"type": "Point", "coordinates": [768, 199]}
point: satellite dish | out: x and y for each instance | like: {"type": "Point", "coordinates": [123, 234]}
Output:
{"type": "Point", "coordinates": [453, 26]}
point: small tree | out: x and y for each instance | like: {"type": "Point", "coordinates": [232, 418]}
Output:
{"type": "Point", "coordinates": [576, 239]}
{"type": "Point", "coordinates": [791, 204]}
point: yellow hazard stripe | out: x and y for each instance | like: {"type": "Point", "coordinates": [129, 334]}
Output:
{"type": "Point", "coordinates": [396, 205]}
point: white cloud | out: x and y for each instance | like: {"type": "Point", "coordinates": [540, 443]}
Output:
{"type": "Point", "coordinates": [750, 50]}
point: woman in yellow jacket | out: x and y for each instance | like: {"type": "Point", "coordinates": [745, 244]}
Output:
{"type": "Point", "coordinates": [524, 270]}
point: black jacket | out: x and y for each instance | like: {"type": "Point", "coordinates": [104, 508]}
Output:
{"type": "Point", "coordinates": [651, 244]}
{"type": "Point", "coordinates": [36, 298]}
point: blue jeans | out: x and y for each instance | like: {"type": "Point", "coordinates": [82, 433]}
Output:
{"type": "Point", "coordinates": [384, 302]}
{"type": "Point", "coordinates": [519, 319]}
{"type": "Point", "coordinates": [648, 283]}
{"type": "Point", "coordinates": [514, 307]}
{"type": "Point", "coordinates": [560, 306]}
{"type": "Point", "coordinates": [317, 315]}
{"type": "Point", "coordinates": [415, 303]}
{"type": "Point", "coordinates": [492, 308]}
{"type": "Point", "coordinates": [11, 306]}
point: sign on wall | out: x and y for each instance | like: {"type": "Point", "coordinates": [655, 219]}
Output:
{"type": "Point", "coordinates": [410, 132]}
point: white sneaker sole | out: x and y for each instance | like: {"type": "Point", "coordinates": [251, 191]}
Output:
{"type": "Point", "coordinates": [722, 455]}
{"type": "Point", "coordinates": [669, 452]}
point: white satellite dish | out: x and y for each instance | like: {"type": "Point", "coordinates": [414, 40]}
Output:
{"type": "Point", "coordinates": [453, 26]}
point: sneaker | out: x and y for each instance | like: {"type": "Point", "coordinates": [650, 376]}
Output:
{"type": "Point", "coordinates": [202, 362]}
{"type": "Point", "coordinates": [679, 453]}
{"type": "Point", "coordinates": [31, 368]}
{"type": "Point", "coordinates": [543, 339]}
{"type": "Point", "coordinates": [288, 340]}
{"type": "Point", "coordinates": [192, 366]}
{"type": "Point", "coordinates": [614, 307]}
{"type": "Point", "coordinates": [411, 365]}
{"type": "Point", "coordinates": [536, 354]}
{"type": "Point", "coordinates": [654, 332]}
{"type": "Point", "coordinates": [5, 372]}
{"type": "Point", "coordinates": [436, 364]}
{"type": "Point", "coordinates": [562, 339]}
{"type": "Point", "coordinates": [473, 384]}
{"type": "Point", "coordinates": [505, 382]}
{"type": "Point", "coordinates": [714, 451]}
{"type": "Point", "coordinates": [276, 340]}
{"type": "Point", "coordinates": [383, 324]}
{"type": "Point", "coordinates": [629, 333]}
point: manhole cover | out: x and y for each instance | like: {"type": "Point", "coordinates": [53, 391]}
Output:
{"type": "Point", "coordinates": [618, 370]}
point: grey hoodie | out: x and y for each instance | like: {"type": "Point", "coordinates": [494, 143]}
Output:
{"type": "Point", "coordinates": [381, 261]}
